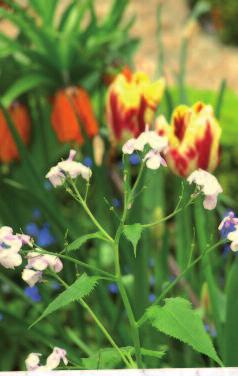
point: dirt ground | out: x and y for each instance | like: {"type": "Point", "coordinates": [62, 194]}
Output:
{"type": "Point", "coordinates": [209, 61]}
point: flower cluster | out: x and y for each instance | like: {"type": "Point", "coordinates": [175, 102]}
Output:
{"type": "Point", "coordinates": [157, 145]}
{"type": "Point", "coordinates": [209, 185]}
{"type": "Point", "coordinates": [194, 139]}
{"type": "Point", "coordinates": [58, 174]}
{"type": "Point", "coordinates": [37, 263]}
{"type": "Point", "coordinates": [10, 246]}
{"type": "Point", "coordinates": [132, 100]}
{"type": "Point", "coordinates": [52, 362]}
{"type": "Point", "coordinates": [229, 230]}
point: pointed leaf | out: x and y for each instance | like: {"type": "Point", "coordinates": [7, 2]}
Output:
{"type": "Point", "coordinates": [133, 234]}
{"type": "Point", "coordinates": [76, 244]}
{"type": "Point", "coordinates": [177, 319]}
{"type": "Point", "coordinates": [82, 287]}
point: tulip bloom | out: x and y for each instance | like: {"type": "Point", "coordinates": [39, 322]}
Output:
{"type": "Point", "coordinates": [71, 113]}
{"type": "Point", "coordinates": [194, 139]}
{"type": "Point", "coordinates": [21, 120]}
{"type": "Point", "coordinates": [131, 104]}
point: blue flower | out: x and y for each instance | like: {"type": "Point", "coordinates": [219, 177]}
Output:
{"type": "Point", "coordinates": [32, 229]}
{"type": "Point", "coordinates": [116, 202]}
{"type": "Point", "coordinates": [1, 316]}
{"type": "Point", "coordinates": [152, 280]}
{"type": "Point", "coordinates": [36, 213]}
{"type": "Point", "coordinates": [88, 161]}
{"type": "Point", "coordinates": [152, 297]}
{"type": "Point", "coordinates": [55, 285]}
{"type": "Point", "coordinates": [33, 293]}
{"type": "Point", "coordinates": [45, 237]}
{"type": "Point", "coordinates": [47, 185]}
{"type": "Point", "coordinates": [227, 225]}
{"type": "Point", "coordinates": [134, 159]}
{"type": "Point", "coordinates": [112, 288]}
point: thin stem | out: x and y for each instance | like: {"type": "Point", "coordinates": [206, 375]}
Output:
{"type": "Point", "coordinates": [143, 319]}
{"type": "Point", "coordinates": [98, 322]}
{"type": "Point", "coordinates": [80, 199]}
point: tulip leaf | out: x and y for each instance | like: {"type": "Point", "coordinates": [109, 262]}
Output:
{"type": "Point", "coordinates": [177, 319]}
{"type": "Point", "coordinates": [82, 287]}
{"type": "Point", "coordinates": [133, 234]}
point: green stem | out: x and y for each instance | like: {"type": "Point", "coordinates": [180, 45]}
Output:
{"type": "Point", "coordinates": [143, 319]}
{"type": "Point", "coordinates": [98, 322]}
{"type": "Point", "coordinates": [80, 199]}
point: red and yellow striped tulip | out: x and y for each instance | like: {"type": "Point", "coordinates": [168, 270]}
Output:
{"type": "Point", "coordinates": [21, 119]}
{"type": "Point", "coordinates": [194, 139]}
{"type": "Point", "coordinates": [132, 100]}
{"type": "Point", "coordinates": [72, 112]}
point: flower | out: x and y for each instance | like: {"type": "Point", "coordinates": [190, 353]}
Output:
{"type": "Point", "coordinates": [31, 277]}
{"type": "Point", "coordinates": [33, 293]}
{"type": "Point", "coordinates": [194, 139]}
{"type": "Point", "coordinates": [58, 174]}
{"type": "Point", "coordinates": [157, 144]}
{"type": "Point", "coordinates": [52, 362]}
{"type": "Point", "coordinates": [21, 119]}
{"type": "Point", "coordinates": [72, 111]}
{"type": "Point", "coordinates": [208, 185]}
{"type": "Point", "coordinates": [10, 246]}
{"type": "Point", "coordinates": [131, 104]}
{"type": "Point", "coordinates": [229, 230]}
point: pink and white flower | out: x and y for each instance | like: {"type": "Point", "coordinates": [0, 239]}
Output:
{"type": "Point", "coordinates": [209, 185]}
{"type": "Point", "coordinates": [58, 174]}
{"type": "Point", "coordinates": [33, 360]}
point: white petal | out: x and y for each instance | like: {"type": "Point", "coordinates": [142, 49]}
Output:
{"type": "Point", "coordinates": [129, 146]}
{"type": "Point", "coordinates": [55, 176]}
{"type": "Point", "coordinates": [32, 361]}
{"type": "Point", "coordinates": [31, 277]}
{"type": "Point", "coordinates": [210, 202]}
{"type": "Point", "coordinates": [9, 260]}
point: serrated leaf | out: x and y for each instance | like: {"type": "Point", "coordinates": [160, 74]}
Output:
{"type": "Point", "coordinates": [133, 234]}
{"type": "Point", "coordinates": [109, 358]}
{"type": "Point", "coordinates": [76, 244]}
{"type": "Point", "coordinates": [177, 319]}
{"type": "Point", "coordinates": [82, 287]}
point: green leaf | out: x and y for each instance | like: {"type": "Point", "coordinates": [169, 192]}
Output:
{"type": "Point", "coordinates": [23, 85]}
{"type": "Point", "coordinates": [109, 358]}
{"type": "Point", "coordinates": [231, 322]}
{"type": "Point", "coordinates": [82, 287]}
{"type": "Point", "coordinates": [76, 244]}
{"type": "Point", "coordinates": [177, 319]}
{"type": "Point", "coordinates": [133, 234]}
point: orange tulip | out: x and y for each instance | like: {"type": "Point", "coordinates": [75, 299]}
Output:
{"type": "Point", "coordinates": [72, 111]}
{"type": "Point", "coordinates": [22, 122]}
{"type": "Point", "coordinates": [132, 100]}
{"type": "Point", "coordinates": [194, 139]}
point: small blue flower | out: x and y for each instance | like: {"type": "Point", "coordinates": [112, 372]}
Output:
{"type": "Point", "coordinates": [88, 162]}
{"type": "Point", "coordinates": [45, 237]}
{"type": "Point", "coordinates": [1, 316]}
{"type": "Point", "coordinates": [33, 293]}
{"type": "Point", "coordinates": [152, 280]}
{"type": "Point", "coordinates": [55, 285]}
{"type": "Point", "coordinates": [32, 229]}
{"type": "Point", "coordinates": [134, 159]}
{"type": "Point", "coordinates": [151, 262]}
{"type": "Point", "coordinates": [116, 202]}
{"type": "Point", "coordinates": [228, 224]}
{"type": "Point", "coordinates": [152, 297]}
{"type": "Point", "coordinates": [47, 185]}
{"type": "Point", "coordinates": [112, 288]}
{"type": "Point", "coordinates": [36, 213]}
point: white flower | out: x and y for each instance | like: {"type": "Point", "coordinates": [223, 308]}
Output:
{"type": "Point", "coordinates": [154, 160]}
{"type": "Point", "coordinates": [150, 138]}
{"type": "Point", "coordinates": [31, 277]}
{"type": "Point", "coordinates": [10, 245]}
{"type": "Point", "coordinates": [58, 173]}
{"type": "Point", "coordinates": [32, 361]}
{"type": "Point", "coordinates": [208, 185]}
{"type": "Point", "coordinates": [228, 221]}
{"type": "Point", "coordinates": [233, 237]}
{"type": "Point", "coordinates": [52, 362]}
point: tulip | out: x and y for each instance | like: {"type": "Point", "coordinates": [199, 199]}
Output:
{"type": "Point", "coordinates": [194, 139]}
{"type": "Point", "coordinates": [71, 114]}
{"type": "Point", "coordinates": [21, 120]}
{"type": "Point", "coordinates": [131, 104]}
